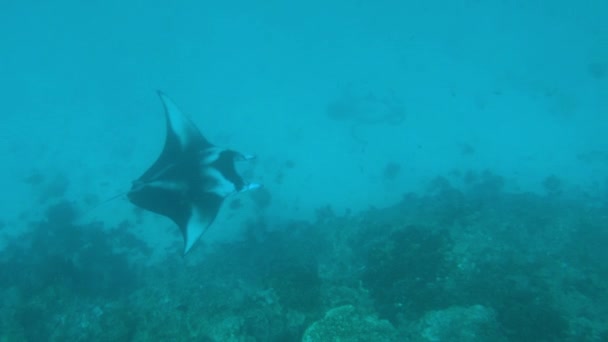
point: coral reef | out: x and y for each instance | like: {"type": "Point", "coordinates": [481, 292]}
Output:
{"type": "Point", "coordinates": [344, 323]}
{"type": "Point", "coordinates": [474, 323]}
{"type": "Point", "coordinates": [466, 260]}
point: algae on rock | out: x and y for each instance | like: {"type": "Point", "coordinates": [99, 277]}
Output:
{"type": "Point", "coordinates": [473, 323]}
{"type": "Point", "coordinates": [345, 324]}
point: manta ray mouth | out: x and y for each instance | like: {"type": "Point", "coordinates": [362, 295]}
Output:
{"type": "Point", "coordinates": [190, 179]}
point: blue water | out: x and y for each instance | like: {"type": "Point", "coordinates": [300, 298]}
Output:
{"type": "Point", "coordinates": [347, 105]}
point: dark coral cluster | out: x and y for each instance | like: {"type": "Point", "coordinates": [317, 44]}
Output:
{"type": "Point", "coordinates": [465, 261]}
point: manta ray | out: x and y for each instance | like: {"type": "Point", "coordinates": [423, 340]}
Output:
{"type": "Point", "coordinates": [190, 179]}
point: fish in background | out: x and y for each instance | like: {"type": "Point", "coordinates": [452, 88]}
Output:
{"type": "Point", "coordinates": [359, 107]}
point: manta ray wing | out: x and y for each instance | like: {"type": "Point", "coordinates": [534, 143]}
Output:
{"type": "Point", "coordinates": [190, 179]}
{"type": "Point", "coordinates": [183, 139]}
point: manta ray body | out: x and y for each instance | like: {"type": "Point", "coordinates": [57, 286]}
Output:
{"type": "Point", "coordinates": [190, 179]}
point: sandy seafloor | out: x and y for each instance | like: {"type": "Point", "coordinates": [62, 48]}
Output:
{"type": "Point", "coordinates": [432, 172]}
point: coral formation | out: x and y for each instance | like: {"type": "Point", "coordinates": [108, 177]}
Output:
{"type": "Point", "coordinates": [465, 261]}
{"type": "Point", "coordinates": [344, 323]}
{"type": "Point", "coordinates": [474, 323]}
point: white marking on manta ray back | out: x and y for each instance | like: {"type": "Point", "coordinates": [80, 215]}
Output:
{"type": "Point", "coordinates": [161, 171]}
{"type": "Point", "coordinates": [197, 225]}
{"type": "Point", "coordinates": [222, 186]}
{"type": "Point", "coordinates": [166, 185]}
{"type": "Point", "coordinates": [210, 155]}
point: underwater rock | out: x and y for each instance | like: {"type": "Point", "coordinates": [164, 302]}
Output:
{"type": "Point", "coordinates": [391, 171]}
{"type": "Point", "coordinates": [473, 323]}
{"type": "Point", "coordinates": [552, 185]}
{"type": "Point", "coordinates": [261, 198]}
{"type": "Point", "coordinates": [63, 213]}
{"type": "Point", "coordinates": [345, 324]}
{"type": "Point", "coordinates": [404, 270]}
